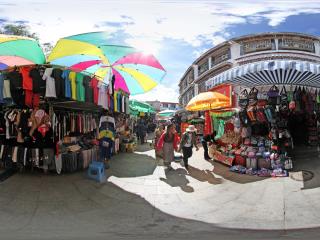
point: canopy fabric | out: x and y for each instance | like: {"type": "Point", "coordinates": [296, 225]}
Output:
{"type": "Point", "coordinates": [222, 114]}
{"type": "Point", "coordinates": [137, 106]}
{"type": "Point", "coordinates": [167, 113]}
{"type": "Point", "coordinates": [282, 72]}
{"type": "Point", "coordinates": [19, 51]}
{"type": "Point", "coordinates": [89, 53]}
{"type": "Point", "coordinates": [208, 101]}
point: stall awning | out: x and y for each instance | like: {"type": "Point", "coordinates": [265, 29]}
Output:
{"type": "Point", "coordinates": [137, 106]}
{"type": "Point", "coordinates": [282, 72]}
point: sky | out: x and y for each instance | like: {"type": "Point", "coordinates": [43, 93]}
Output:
{"type": "Point", "coordinates": [176, 32]}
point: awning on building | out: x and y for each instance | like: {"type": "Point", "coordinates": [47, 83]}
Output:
{"type": "Point", "coordinates": [282, 72]}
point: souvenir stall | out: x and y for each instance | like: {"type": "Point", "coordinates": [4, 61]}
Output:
{"type": "Point", "coordinates": [255, 139]}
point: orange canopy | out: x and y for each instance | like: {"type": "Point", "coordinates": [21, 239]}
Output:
{"type": "Point", "coordinates": [208, 101]}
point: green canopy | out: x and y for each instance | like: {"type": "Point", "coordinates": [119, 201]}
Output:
{"type": "Point", "coordinates": [136, 107]}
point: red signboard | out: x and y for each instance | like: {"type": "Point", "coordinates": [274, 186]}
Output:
{"type": "Point", "coordinates": [227, 90]}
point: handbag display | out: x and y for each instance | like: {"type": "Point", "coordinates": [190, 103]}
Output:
{"type": "Point", "coordinates": [244, 99]}
{"type": "Point", "coordinates": [253, 97]}
{"type": "Point", "coordinates": [273, 95]}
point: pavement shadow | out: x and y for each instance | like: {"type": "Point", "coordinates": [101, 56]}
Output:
{"type": "Point", "coordinates": [144, 147]}
{"type": "Point", "coordinates": [204, 175]}
{"type": "Point", "coordinates": [131, 165]}
{"type": "Point", "coordinates": [177, 178]}
{"type": "Point", "coordinates": [306, 164]}
{"type": "Point", "coordinates": [224, 172]}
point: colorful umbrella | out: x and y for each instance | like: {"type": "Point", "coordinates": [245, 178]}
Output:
{"type": "Point", "coordinates": [19, 51]}
{"type": "Point", "coordinates": [134, 71]}
{"type": "Point", "coordinates": [208, 101]}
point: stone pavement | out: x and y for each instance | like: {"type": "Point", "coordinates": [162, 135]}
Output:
{"type": "Point", "coordinates": [208, 192]}
{"type": "Point", "coordinates": [37, 206]}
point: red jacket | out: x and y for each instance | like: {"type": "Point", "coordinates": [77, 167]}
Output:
{"type": "Point", "coordinates": [176, 141]}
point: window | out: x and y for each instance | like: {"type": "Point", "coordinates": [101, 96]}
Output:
{"type": "Point", "coordinates": [221, 57]}
{"type": "Point", "coordinates": [203, 67]}
{"type": "Point", "coordinates": [257, 45]}
{"type": "Point", "coordinates": [296, 44]}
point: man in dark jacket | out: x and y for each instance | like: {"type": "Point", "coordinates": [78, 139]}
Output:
{"type": "Point", "coordinates": [204, 141]}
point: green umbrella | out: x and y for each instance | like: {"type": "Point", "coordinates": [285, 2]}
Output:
{"type": "Point", "coordinates": [136, 107]}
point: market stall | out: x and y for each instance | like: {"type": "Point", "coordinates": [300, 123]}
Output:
{"type": "Point", "coordinates": [278, 110]}
{"type": "Point", "coordinates": [62, 114]}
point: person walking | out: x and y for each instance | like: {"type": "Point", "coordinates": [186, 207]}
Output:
{"type": "Point", "coordinates": [142, 131]}
{"type": "Point", "coordinates": [188, 140]}
{"type": "Point", "coordinates": [158, 133]}
{"type": "Point", "coordinates": [168, 142]}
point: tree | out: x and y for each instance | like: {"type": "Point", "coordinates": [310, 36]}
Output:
{"type": "Point", "coordinates": [18, 29]}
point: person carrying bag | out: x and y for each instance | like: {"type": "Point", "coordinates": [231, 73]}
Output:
{"type": "Point", "coordinates": [188, 140]}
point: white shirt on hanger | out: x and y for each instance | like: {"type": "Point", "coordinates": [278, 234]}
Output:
{"type": "Point", "coordinates": [50, 83]}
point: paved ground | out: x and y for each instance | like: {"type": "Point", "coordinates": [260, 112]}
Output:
{"type": "Point", "coordinates": [208, 192]}
{"type": "Point", "coordinates": [36, 206]}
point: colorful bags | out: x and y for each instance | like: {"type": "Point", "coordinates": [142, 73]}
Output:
{"type": "Point", "coordinates": [273, 95]}
{"type": "Point", "coordinates": [252, 113]}
{"type": "Point", "coordinates": [253, 96]}
{"type": "Point", "coordinates": [244, 99]}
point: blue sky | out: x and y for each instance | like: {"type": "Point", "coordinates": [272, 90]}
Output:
{"type": "Point", "coordinates": [176, 32]}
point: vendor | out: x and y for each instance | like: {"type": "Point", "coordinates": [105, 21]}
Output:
{"type": "Point", "coordinates": [204, 141]}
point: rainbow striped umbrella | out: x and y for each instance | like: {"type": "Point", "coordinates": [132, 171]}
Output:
{"type": "Point", "coordinates": [19, 51]}
{"type": "Point", "coordinates": [134, 71]}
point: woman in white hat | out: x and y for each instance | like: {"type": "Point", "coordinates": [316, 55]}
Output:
{"type": "Point", "coordinates": [188, 140]}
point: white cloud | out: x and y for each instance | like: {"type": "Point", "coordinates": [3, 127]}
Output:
{"type": "Point", "coordinates": [161, 93]}
{"type": "Point", "coordinates": [194, 22]}
{"type": "Point", "coordinates": [147, 24]}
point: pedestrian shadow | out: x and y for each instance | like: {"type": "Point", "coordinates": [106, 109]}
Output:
{"type": "Point", "coordinates": [177, 178]}
{"type": "Point", "coordinates": [204, 175]}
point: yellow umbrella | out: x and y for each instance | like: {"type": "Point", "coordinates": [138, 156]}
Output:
{"type": "Point", "coordinates": [208, 101]}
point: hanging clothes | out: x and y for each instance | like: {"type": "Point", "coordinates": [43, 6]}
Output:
{"type": "Point", "coordinates": [102, 100]}
{"type": "Point", "coordinates": [219, 128]}
{"type": "Point", "coordinates": [127, 105]}
{"type": "Point", "coordinates": [16, 89]}
{"type": "Point", "coordinates": [115, 101]}
{"type": "Point", "coordinates": [119, 98]}
{"type": "Point", "coordinates": [88, 89]}
{"type": "Point", "coordinates": [26, 79]}
{"type": "Point", "coordinates": [50, 83]}
{"type": "Point", "coordinates": [1, 87]}
{"type": "Point", "coordinates": [6, 88]}
{"type": "Point", "coordinates": [80, 87]}
{"type": "Point", "coordinates": [94, 84]}
{"type": "Point", "coordinates": [72, 77]}
{"type": "Point", "coordinates": [123, 104]}
{"type": "Point", "coordinates": [67, 83]}
{"type": "Point", "coordinates": [59, 82]}
{"type": "Point", "coordinates": [38, 85]}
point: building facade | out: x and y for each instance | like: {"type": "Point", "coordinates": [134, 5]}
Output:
{"type": "Point", "coordinates": [160, 106]}
{"type": "Point", "coordinates": [244, 50]}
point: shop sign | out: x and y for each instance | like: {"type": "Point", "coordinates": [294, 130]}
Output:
{"type": "Point", "coordinates": [227, 90]}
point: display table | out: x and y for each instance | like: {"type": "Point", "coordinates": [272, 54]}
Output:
{"type": "Point", "coordinates": [220, 157]}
